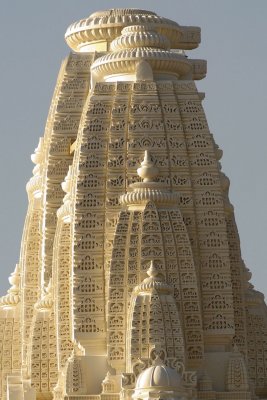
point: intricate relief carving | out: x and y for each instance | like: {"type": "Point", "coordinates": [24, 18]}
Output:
{"type": "Point", "coordinates": [237, 379]}
{"type": "Point", "coordinates": [98, 250]}
{"type": "Point", "coordinates": [146, 142]}
{"type": "Point", "coordinates": [104, 88]}
{"type": "Point", "coordinates": [96, 125]}
{"type": "Point", "coordinates": [12, 298]}
{"type": "Point", "coordinates": [119, 109]}
{"type": "Point", "coordinates": [79, 63]}
{"type": "Point", "coordinates": [74, 83]}
{"type": "Point", "coordinates": [145, 108]}
{"type": "Point", "coordinates": [70, 104]}
{"type": "Point", "coordinates": [144, 87]}
{"type": "Point", "coordinates": [190, 107]}
{"type": "Point", "coordinates": [185, 87]}
{"type": "Point", "coordinates": [65, 124]}
{"type": "Point", "coordinates": [146, 124]}
{"type": "Point", "coordinates": [99, 108]}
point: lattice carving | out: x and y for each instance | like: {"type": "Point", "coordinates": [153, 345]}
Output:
{"type": "Point", "coordinates": [10, 332]}
{"type": "Point", "coordinates": [160, 235]}
{"type": "Point", "coordinates": [153, 320]}
{"type": "Point", "coordinates": [256, 339]}
{"type": "Point", "coordinates": [44, 366]}
{"type": "Point", "coordinates": [65, 116]}
{"type": "Point", "coordinates": [30, 257]}
{"type": "Point", "coordinates": [63, 298]}
{"type": "Point", "coordinates": [237, 379]}
{"type": "Point", "coordinates": [74, 380]}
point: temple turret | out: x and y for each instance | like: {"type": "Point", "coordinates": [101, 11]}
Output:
{"type": "Point", "coordinates": [10, 335]}
{"type": "Point", "coordinates": [152, 222]}
{"type": "Point", "coordinates": [153, 307]}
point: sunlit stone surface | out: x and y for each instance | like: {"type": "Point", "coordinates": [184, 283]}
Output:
{"type": "Point", "coordinates": [130, 283]}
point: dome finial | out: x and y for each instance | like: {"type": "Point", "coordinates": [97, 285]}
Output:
{"type": "Point", "coordinates": [46, 301]}
{"type": "Point", "coordinates": [152, 270]}
{"type": "Point", "coordinates": [148, 171]}
{"type": "Point", "coordinates": [158, 361]}
{"type": "Point", "coordinates": [12, 298]}
{"type": "Point", "coordinates": [154, 281]}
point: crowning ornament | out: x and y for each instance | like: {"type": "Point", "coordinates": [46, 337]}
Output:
{"type": "Point", "coordinates": [130, 283]}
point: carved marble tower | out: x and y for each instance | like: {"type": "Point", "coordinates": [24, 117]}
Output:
{"type": "Point", "coordinates": [130, 282]}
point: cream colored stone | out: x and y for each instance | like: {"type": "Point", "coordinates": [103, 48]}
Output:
{"type": "Point", "coordinates": [130, 282]}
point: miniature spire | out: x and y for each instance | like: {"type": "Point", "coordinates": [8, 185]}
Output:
{"type": "Point", "coordinates": [66, 183]}
{"type": "Point", "coordinates": [46, 301]}
{"type": "Point", "coordinates": [12, 298]}
{"type": "Point", "coordinates": [64, 211]}
{"type": "Point", "coordinates": [34, 186]}
{"type": "Point", "coordinates": [152, 270]}
{"type": "Point", "coordinates": [158, 361]}
{"type": "Point", "coordinates": [78, 349]}
{"type": "Point", "coordinates": [153, 282]}
{"type": "Point", "coordinates": [108, 385]}
{"type": "Point", "coordinates": [148, 171]}
{"type": "Point", "coordinates": [36, 157]}
{"type": "Point", "coordinates": [139, 193]}
{"type": "Point", "coordinates": [237, 376]}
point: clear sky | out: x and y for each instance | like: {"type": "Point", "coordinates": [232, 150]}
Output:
{"type": "Point", "coordinates": [234, 41]}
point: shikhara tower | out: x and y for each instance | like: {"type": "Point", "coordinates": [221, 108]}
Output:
{"type": "Point", "coordinates": [130, 282]}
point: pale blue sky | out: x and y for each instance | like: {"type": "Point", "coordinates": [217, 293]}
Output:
{"type": "Point", "coordinates": [234, 41]}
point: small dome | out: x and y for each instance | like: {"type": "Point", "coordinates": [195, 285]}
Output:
{"type": "Point", "coordinates": [158, 376]}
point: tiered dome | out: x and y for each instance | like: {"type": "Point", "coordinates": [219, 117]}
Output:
{"type": "Point", "coordinates": [141, 43]}
{"type": "Point", "coordinates": [140, 36]}
{"type": "Point", "coordinates": [107, 25]}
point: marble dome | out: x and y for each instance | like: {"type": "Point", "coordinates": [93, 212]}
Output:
{"type": "Point", "coordinates": [158, 375]}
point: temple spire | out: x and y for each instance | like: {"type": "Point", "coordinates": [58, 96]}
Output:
{"type": "Point", "coordinates": [130, 244]}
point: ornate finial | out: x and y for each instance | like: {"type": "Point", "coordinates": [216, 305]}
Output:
{"type": "Point", "coordinates": [66, 183]}
{"type": "Point", "coordinates": [12, 298]}
{"type": "Point", "coordinates": [140, 193]}
{"type": "Point", "coordinates": [14, 278]}
{"type": "Point", "coordinates": [78, 349]}
{"type": "Point", "coordinates": [36, 157]}
{"type": "Point", "coordinates": [235, 348]}
{"type": "Point", "coordinates": [154, 281]}
{"type": "Point", "coordinates": [34, 186]}
{"type": "Point", "coordinates": [158, 361]}
{"type": "Point", "coordinates": [108, 384]}
{"type": "Point", "coordinates": [148, 171]}
{"type": "Point", "coordinates": [152, 270]}
{"type": "Point", "coordinates": [64, 212]}
{"type": "Point", "coordinates": [46, 301]}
